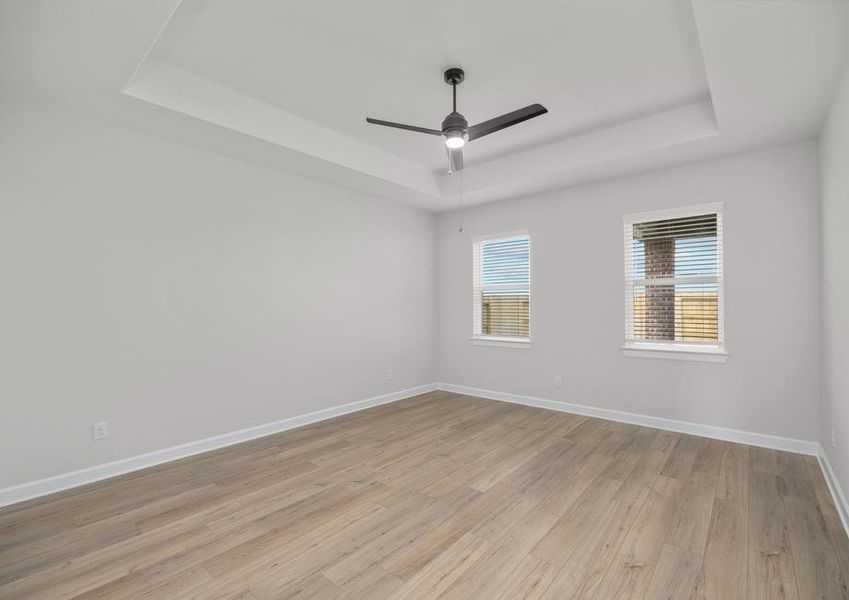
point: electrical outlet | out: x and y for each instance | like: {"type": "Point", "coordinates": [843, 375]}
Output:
{"type": "Point", "coordinates": [833, 439]}
{"type": "Point", "coordinates": [389, 373]}
{"type": "Point", "coordinates": [558, 380]}
{"type": "Point", "coordinates": [100, 431]}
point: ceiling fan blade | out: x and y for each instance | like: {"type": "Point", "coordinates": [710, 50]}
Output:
{"type": "Point", "coordinates": [402, 126]}
{"type": "Point", "coordinates": [504, 121]}
{"type": "Point", "coordinates": [455, 159]}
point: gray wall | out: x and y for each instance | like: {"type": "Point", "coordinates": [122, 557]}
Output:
{"type": "Point", "coordinates": [180, 294]}
{"type": "Point", "coordinates": [770, 383]}
{"type": "Point", "coordinates": [834, 228]}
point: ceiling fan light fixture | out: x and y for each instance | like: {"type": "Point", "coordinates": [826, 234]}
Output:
{"type": "Point", "coordinates": [456, 139]}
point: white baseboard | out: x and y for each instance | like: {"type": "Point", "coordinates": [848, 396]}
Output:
{"type": "Point", "coordinates": [834, 488]}
{"type": "Point", "coordinates": [57, 483]}
{"type": "Point", "coordinates": [710, 431]}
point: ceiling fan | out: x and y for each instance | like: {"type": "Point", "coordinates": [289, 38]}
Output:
{"type": "Point", "coordinates": [457, 131]}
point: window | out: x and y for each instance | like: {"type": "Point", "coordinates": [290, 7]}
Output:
{"type": "Point", "coordinates": [673, 283]}
{"type": "Point", "coordinates": [502, 289]}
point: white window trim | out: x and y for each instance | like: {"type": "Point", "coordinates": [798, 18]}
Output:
{"type": "Point", "coordinates": [675, 351]}
{"type": "Point", "coordinates": [504, 342]}
{"type": "Point", "coordinates": [715, 353]}
{"type": "Point", "coordinates": [477, 338]}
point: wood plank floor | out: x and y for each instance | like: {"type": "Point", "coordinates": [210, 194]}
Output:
{"type": "Point", "coordinates": [442, 496]}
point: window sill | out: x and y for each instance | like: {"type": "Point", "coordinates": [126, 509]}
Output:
{"type": "Point", "coordinates": [675, 352]}
{"type": "Point", "coordinates": [504, 342]}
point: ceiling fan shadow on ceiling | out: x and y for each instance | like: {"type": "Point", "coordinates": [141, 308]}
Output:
{"type": "Point", "coordinates": [456, 129]}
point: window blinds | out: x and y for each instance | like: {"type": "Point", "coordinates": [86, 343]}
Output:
{"type": "Point", "coordinates": [502, 287]}
{"type": "Point", "coordinates": [673, 280]}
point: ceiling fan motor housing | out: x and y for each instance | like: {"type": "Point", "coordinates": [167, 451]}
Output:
{"type": "Point", "coordinates": [453, 123]}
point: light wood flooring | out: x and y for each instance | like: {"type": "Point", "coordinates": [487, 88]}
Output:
{"type": "Point", "coordinates": [442, 496]}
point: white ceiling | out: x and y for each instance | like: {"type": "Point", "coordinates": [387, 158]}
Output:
{"type": "Point", "coordinates": [385, 58]}
{"type": "Point", "coordinates": [629, 85]}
